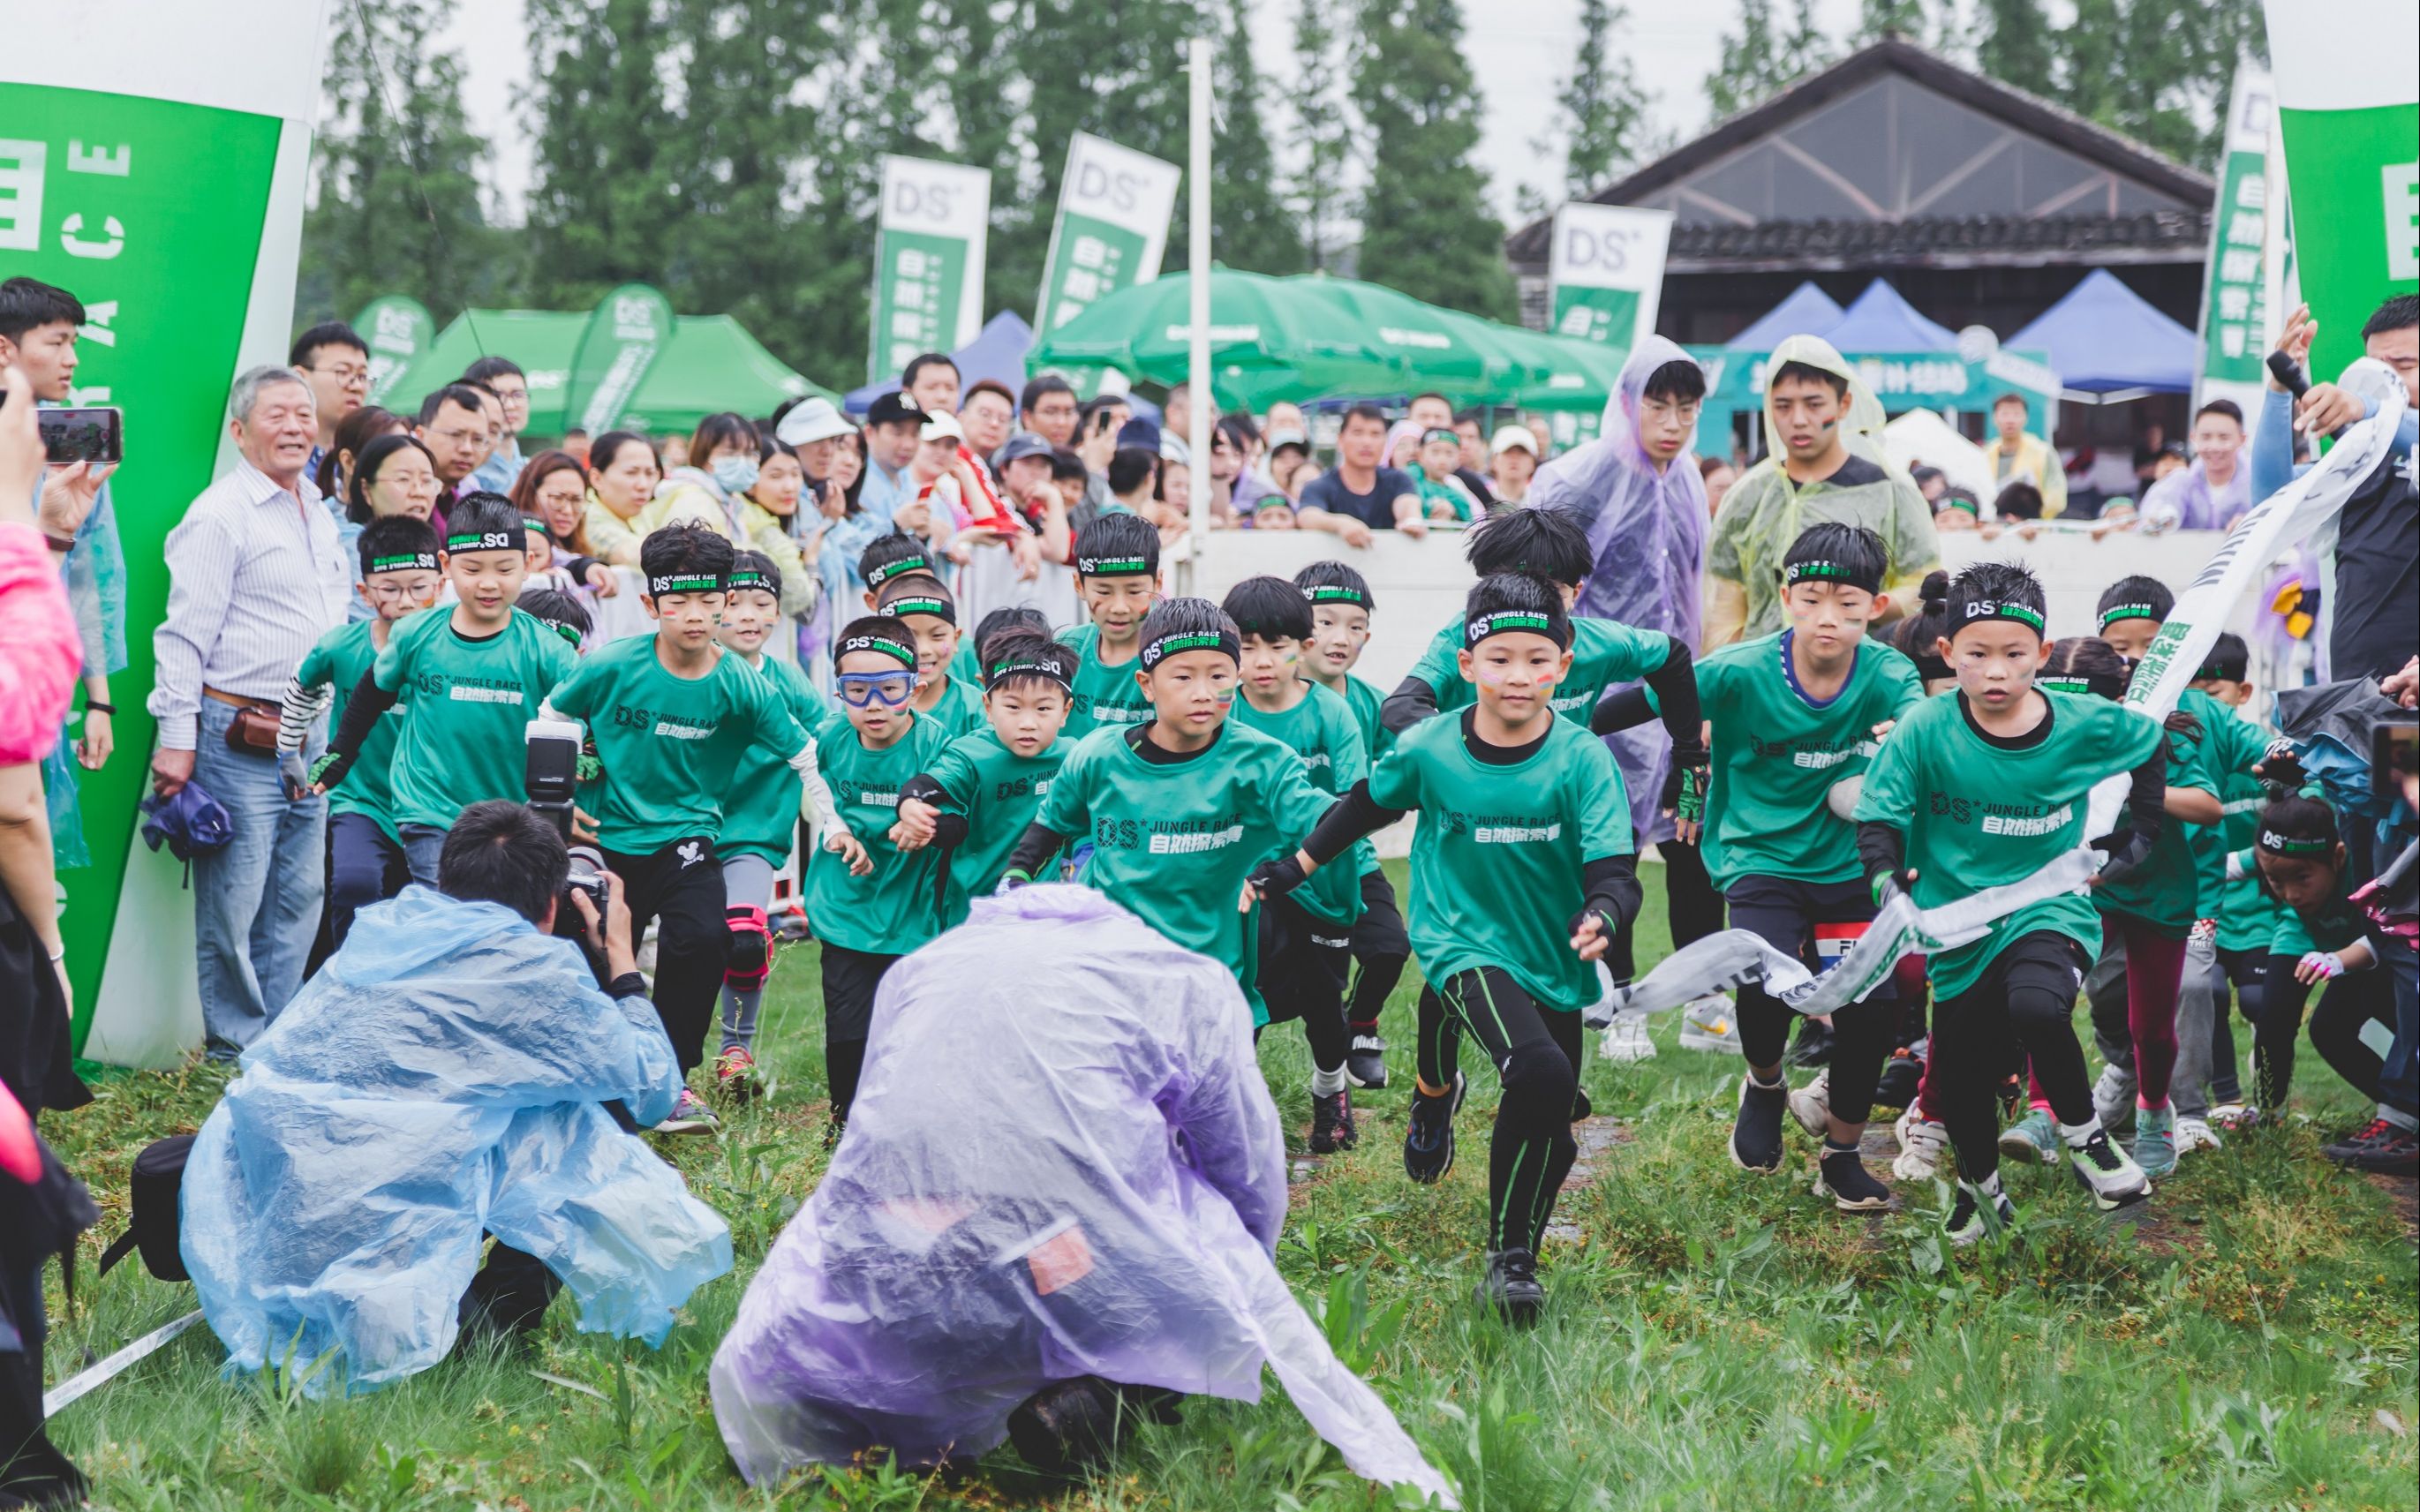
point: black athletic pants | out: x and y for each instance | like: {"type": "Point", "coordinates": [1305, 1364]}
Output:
{"type": "Point", "coordinates": [1380, 951]}
{"type": "Point", "coordinates": [2026, 1000]}
{"type": "Point", "coordinates": [2347, 1006]}
{"type": "Point", "coordinates": [1303, 963]}
{"type": "Point", "coordinates": [363, 867]}
{"type": "Point", "coordinates": [1536, 1049]}
{"type": "Point", "coordinates": [2244, 970]}
{"type": "Point", "coordinates": [850, 979]}
{"type": "Point", "coordinates": [1691, 903]}
{"type": "Point", "coordinates": [680, 887]}
{"type": "Point", "coordinates": [511, 1291]}
{"type": "Point", "coordinates": [1783, 913]}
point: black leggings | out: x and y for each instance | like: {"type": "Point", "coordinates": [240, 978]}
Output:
{"type": "Point", "coordinates": [1691, 904]}
{"type": "Point", "coordinates": [850, 979]}
{"type": "Point", "coordinates": [2348, 1004]}
{"type": "Point", "coordinates": [2244, 970]}
{"type": "Point", "coordinates": [1380, 951]}
{"type": "Point", "coordinates": [1537, 1052]}
{"type": "Point", "coordinates": [2025, 1001]}
{"type": "Point", "coordinates": [679, 887]}
{"type": "Point", "coordinates": [1783, 913]}
{"type": "Point", "coordinates": [1303, 965]}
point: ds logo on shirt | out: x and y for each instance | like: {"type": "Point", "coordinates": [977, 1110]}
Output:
{"type": "Point", "coordinates": [1021, 787]}
{"type": "Point", "coordinates": [2018, 820]}
{"type": "Point", "coordinates": [1168, 837]}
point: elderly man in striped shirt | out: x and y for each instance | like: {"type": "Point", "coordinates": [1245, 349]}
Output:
{"type": "Point", "coordinates": [255, 574]}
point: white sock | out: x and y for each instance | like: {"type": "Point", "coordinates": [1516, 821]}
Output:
{"type": "Point", "coordinates": [2398, 1117]}
{"type": "Point", "coordinates": [2079, 1135]}
{"type": "Point", "coordinates": [1781, 1080]}
{"type": "Point", "coordinates": [1326, 1083]}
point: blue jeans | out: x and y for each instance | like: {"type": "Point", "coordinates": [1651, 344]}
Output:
{"type": "Point", "coordinates": [422, 845]}
{"type": "Point", "coordinates": [256, 899]}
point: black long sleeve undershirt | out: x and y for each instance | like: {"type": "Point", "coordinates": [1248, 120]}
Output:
{"type": "Point", "coordinates": [1676, 691]}
{"type": "Point", "coordinates": [361, 710]}
{"type": "Point", "coordinates": [1609, 886]}
{"type": "Point", "coordinates": [1348, 820]}
{"type": "Point", "coordinates": [1623, 709]}
{"type": "Point", "coordinates": [1410, 703]}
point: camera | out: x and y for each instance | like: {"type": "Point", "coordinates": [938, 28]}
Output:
{"type": "Point", "coordinates": [551, 776]}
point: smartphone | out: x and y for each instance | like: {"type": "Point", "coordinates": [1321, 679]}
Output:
{"type": "Point", "coordinates": [95, 433]}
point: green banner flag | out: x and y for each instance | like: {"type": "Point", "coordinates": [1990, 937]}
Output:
{"type": "Point", "coordinates": [398, 327]}
{"type": "Point", "coordinates": [161, 181]}
{"type": "Point", "coordinates": [1605, 270]}
{"type": "Point", "coordinates": [631, 329]}
{"type": "Point", "coordinates": [928, 261]}
{"type": "Point", "coordinates": [2348, 110]}
{"type": "Point", "coordinates": [2236, 325]}
{"type": "Point", "coordinates": [1113, 227]}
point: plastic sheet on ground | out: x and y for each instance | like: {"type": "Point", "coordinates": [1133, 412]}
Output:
{"type": "Point", "coordinates": [439, 1079]}
{"type": "Point", "coordinates": [1061, 1161]}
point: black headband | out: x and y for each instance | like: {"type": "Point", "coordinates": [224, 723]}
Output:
{"type": "Point", "coordinates": [1999, 608]}
{"type": "Point", "coordinates": [485, 541]}
{"type": "Point", "coordinates": [2277, 845]}
{"type": "Point", "coordinates": [408, 562]}
{"type": "Point", "coordinates": [684, 582]}
{"type": "Point", "coordinates": [1058, 668]}
{"type": "Point", "coordinates": [1795, 573]}
{"type": "Point", "coordinates": [932, 604]}
{"type": "Point", "coordinates": [569, 632]}
{"type": "Point", "coordinates": [1928, 667]}
{"type": "Point", "coordinates": [1114, 567]}
{"type": "Point", "coordinates": [900, 568]}
{"type": "Point", "coordinates": [1337, 594]}
{"type": "Point", "coordinates": [1515, 621]}
{"type": "Point", "coordinates": [1221, 641]}
{"type": "Point", "coordinates": [746, 578]}
{"type": "Point", "coordinates": [882, 643]}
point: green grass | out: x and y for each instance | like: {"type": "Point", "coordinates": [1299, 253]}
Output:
{"type": "Point", "coordinates": [1716, 1340]}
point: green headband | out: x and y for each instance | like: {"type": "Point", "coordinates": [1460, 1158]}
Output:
{"type": "Point", "coordinates": [938, 608]}
{"type": "Point", "coordinates": [2129, 612]}
{"type": "Point", "coordinates": [1513, 621]}
{"type": "Point", "coordinates": [1795, 573]}
{"type": "Point", "coordinates": [485, 541]}
{"type": "Point", "coordinates": [1960, 501]}
{"type": "Point", "coordinates": [1156, 652]}
{"type": "Point", "coordinates": [883, 643]}
{"type": "Point", "coordinates": [1337, 594]}
{"type": "Point", "coordinates": [1114, 567]}
{"type": "Point", "coordinates": [409, 562]}
{"type": "Point", "coordinates": [1056, 669]}
{"type": "Point", "coordinates": [2277, 844]}
{"type": "Point", "coordinates": [684, 582]}
{"type": "Point", "coordinates": [2000, 609]}
{"type": "Point", "coordinates": [1437, 433]}
{"type": "Point", "coordinates": [569, 632]}
{"type": "Point", "coordinates": [532, 522]}
{"type": "Point", "coordinates": [900, 568]}
{"type": "Point", "coordinates": [2064, 685]}
{"type": "Point", "coordinates": [748, 578]}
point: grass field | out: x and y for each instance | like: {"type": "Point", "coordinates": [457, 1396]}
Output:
{"type": "Point", "coordinates": [1713, 1339]}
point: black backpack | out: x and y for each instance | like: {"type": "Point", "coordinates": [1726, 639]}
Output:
{"type": "Point", "coordinates": [152, 1227]}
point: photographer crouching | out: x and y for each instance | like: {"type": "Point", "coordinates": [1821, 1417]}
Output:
{"type": "Point", "coordinates": [451, 1072]}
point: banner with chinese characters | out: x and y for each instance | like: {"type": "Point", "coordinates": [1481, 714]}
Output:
{"type": "Point", "coordinates": [2236, 325]}
{"type": "Point", "coordinates": [928, 261]}
{"type": "Point", "coordinates": [628, 331]}
{"type": "Point", "coordinates": [2349, 111]}
{"type": "Point", "coordinates": [1114, 206]}
{"type": "Point", "coordinates": [398, 327]}
{"type": "Point", "coordinates": [153, 161]}
{"type": "Point", "coordinates": [1605, 273]}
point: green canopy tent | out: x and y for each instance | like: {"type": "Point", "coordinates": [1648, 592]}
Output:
{"type": "Point", "coordinates": [712, 364]}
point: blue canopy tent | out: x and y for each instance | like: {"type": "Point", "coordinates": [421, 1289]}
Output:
{"type": "Point", "coordinates": [997, 352]}
{"type": "Point", "coordinates": [1806, 308]}
{"type": "Point", "coordinates": [2110, 345]}
{"type": "Point", "coordinates": [1881, 321]}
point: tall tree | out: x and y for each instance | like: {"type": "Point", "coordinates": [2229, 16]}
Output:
{"type": "Point", "coordinates": [2158, 69]}
{"type": "Point", "coordinates": [398, 207]}
{"type": "Point", "coordinates": [1426, 228]}
{"type": "Point", "coordinates": [1602, 114]}
{"type": "Point", "coordinates": [1322, 132]}
{"type": "Point", "coordinates": [1254, 229]}
{"type": "Point", "coordinates": [1878, 19]}
{"type": "Point", "coordinates": [604, 195]}
{"type": "Point", "coordinates": [2015, 43]}
{"type": "Point", "coordinates": [1765, 56]}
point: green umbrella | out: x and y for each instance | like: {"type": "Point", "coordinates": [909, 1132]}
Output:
{"type": "Point", "coordinates": [1561, 372]}
{"type": "Point", "coordinates": [1270, 339]}
{"type": "Point", "coordinates": [1427, 346]}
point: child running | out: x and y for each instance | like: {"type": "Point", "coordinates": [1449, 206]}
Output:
{"type": "Point", "coordinates": [1305, 946]}
{"type": "Point", "coordinates": [1117, 571]}
{"type": "Point", "coordinates": [1905, 1083]}
{"type": "Point", "coordinates": [760, 818]}
{"type": "Point", "coordinates": [1522, 876]}
{"type": "Point", "coordinates": [399, 579]}
{"type": "Point", "coordinates": [2247, 916]}
{"type": "Point", "coordinates": [1986, 786]}
{"type": "Point", "coordinates": [930, 611]}
{"type": "Point", "coordinates": [1340, 606]}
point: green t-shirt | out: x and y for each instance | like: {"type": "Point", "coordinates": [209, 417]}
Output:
{"type": "Point", "coordinates": [669, 745]}
{"type": "Point", "coordinates": [2247, 917]}
{"type": "Point", "coordinates": [1776, 755]}
{"type": "Point", "coordinates": [1604, 652]}
{"type": "Point", "coordinates": [467, 706]}
{"type": "Point", "coordinates": [966, 667]}
{"type": "Point", "coordinates": [999, 793]}
{"type": "Point", "coordinates": [1365, 701]}
{"type": "Point", "coordinates": [337, 660]}
{"type": "Point", "coordinates": [2330, 927]}
{"type": "Point", "coordinates": [960, 711]}
{"type": "Point", "coordinates": [1500, 851]}
{"type": "Point", "coordinates": [1321, 729]}
{"type": "Point", "coordinates": [1103, 695]}
{"type": "Point", "coordinates": [888, 911]}
{"type": "Point", "coordinates": [1975, 815]}
{"type": "Point", "coordinates": [760, 816]}
{"type": "Point", "coordinates": [2164, 891]}
{"type": "Point", "coordinates": [1173, 843]}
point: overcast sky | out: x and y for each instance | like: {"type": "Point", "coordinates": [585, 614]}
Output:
{"type": "Point", "coordinates": [1520, 53]}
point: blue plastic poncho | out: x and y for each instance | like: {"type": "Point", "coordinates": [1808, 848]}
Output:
{"type": "Point", "coordinates": [438, 1080]}
{"type": "Point", "coordinates": [1061, 1161]}
{"type": "Point", "coordinates": [1648, 530]}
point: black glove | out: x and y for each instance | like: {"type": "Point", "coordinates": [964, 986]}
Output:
{"type": "Point", "coordinates": [1608, 925]}
{"type": "Point", "coordinates": [1275, 879]}
{"type": "Point", "coordinates": [2124, 850]}
{"type": "Point", "coordinates": [2280, 769]}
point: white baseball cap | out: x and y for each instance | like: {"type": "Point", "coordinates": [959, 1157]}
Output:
{"type": "Point", "coordinates": [812, 420]}
{"type": "Point", "coordinates": [941, 427]}
{"type": "Point", "coordinates": [1508, 438]}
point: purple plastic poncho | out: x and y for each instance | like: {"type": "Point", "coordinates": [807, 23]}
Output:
{"type": "Point", "coordinates": [1061, 1161]}
{"type": "Point", "coordinates": [1649, 532]}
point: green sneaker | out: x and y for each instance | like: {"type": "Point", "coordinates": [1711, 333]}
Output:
{"type": "Point", "coordinates": [2155, 1140]}
{"type": "Point", "coordinates": [2033, 1138]}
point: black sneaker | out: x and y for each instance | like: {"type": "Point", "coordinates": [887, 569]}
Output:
{"type": "Point", "coordinates": [1331, 1124]}
{"type": "Point", "coordinates": [1968, 1223]}
{"type": "Point", "coordinates": [2386, 1147]}
{"type": "Point", "coordinates": [1900, 1077]}
{"type": "Point", "coordinates": [1064, 1428]}
{"type": "Point", "coordinates": [1512, 1288]}
{"type": "Point", "coordinates": [1852, 1187]}
{"type": "Point", "coordinates": [1756, 1133]}
{"type": "Point", "coordinates": [1428, 1138]}
{"type": "Point", "coordinates": [1365, 1063]}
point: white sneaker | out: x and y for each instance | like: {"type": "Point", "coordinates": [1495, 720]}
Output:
{"type": "Point", "coordinates": [2113, 1097]}
{"type": "Point", "coordinates": [2195, 1133]}
{"type": "Point", "coordinates": [1921, 1144]}
{"type": "Point", "coordinates": [1812, 1104]}
{"type": "Point", "coordinates": [1626, 1040]}
{"type": "Point", "coordinates": [1708, 1025]}
{"type": "Point", "coordinates": [1609, 998]}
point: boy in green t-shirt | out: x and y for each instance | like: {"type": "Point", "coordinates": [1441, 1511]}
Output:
{"type": "Point", "coordinates": [760, 820]}
{"type": "Point", "coordinates": [476, 675]}
{"type": "Point", "coordinates": [366, 861]}
{"type": "Point", "coordinates": [930, 611]}
{"type": "Point", "coordinates": [870, 902]}
{"type": "Point", "coordinates": [1305, 937]}
{"type": "Point", "coordinates": [1340, 606]}
{"type": "Point", "coordinates": [673, 715]}
{"type": "Point", "coordinates": [1986, 786]}
{"type": "Point", "coordinates": [1522, 876]}
{"type": "Point", "coordinates": [2247, 917]}
{"type": "Point", "coordinates": [974, 802]}
{"type": "Point", "coordinates": [1117, 570]}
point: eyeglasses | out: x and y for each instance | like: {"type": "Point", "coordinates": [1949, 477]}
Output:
{"type": "Point", "coordinates": [457, 434]}
{"type": "Point", "coordinates": [863, 689]}
{"type": "Point", "coordinates": [345, 373]}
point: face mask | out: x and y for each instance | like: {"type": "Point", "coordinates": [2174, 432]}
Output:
{"type": "Point", "coordinates": [738, 474]}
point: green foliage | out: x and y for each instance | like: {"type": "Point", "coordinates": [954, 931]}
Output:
{"type": "Point", "coordinates": [2158, 70]}
{"type": "Point", "coordinates": [2014, 44]}
{"type": "Point", "coordinates": [1765, 56]}
{"type": "Point", "coordinates": [1602, 115]}
{"type": "Point", "coordinates": [1425, 225]}
{"type": "Point", "coordinates": [1322, 132]}
{"type": "Point", "coordinates": [1255, 230]}
{"type": "Point", "coordinates": [1878, 19]}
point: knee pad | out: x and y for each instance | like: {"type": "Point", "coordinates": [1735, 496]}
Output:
{"type": "Point", "coordinates": [751, 958]}
{"type": "Point", "coordinates": [1539, 1081]}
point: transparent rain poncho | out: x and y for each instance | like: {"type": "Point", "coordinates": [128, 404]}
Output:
{"type": "Point", "coordinates": [1061, 1161]}
{"type": "Point", "coordinates": [1648, 530]}
{"type": "Point", "coordinates": [439, 1079]}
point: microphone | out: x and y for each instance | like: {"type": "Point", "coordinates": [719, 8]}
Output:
{"type": "Point", "coordinates": [2290, 373]}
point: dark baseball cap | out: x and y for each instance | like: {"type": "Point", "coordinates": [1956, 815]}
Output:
{"type": "Point", "coordinates": [1023, 443]}
{"type": "Point", "coordinates": [892, 407]}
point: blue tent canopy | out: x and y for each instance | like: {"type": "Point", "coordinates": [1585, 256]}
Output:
{"type": "Point", "coordinates": [997, 352]}
{"type": "Point", "coordinates": [2103, 336]}
{"type": "Point", "coordinates": [1881, 321]}
{"type": "Point", "coordinates": [1806, 309]}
